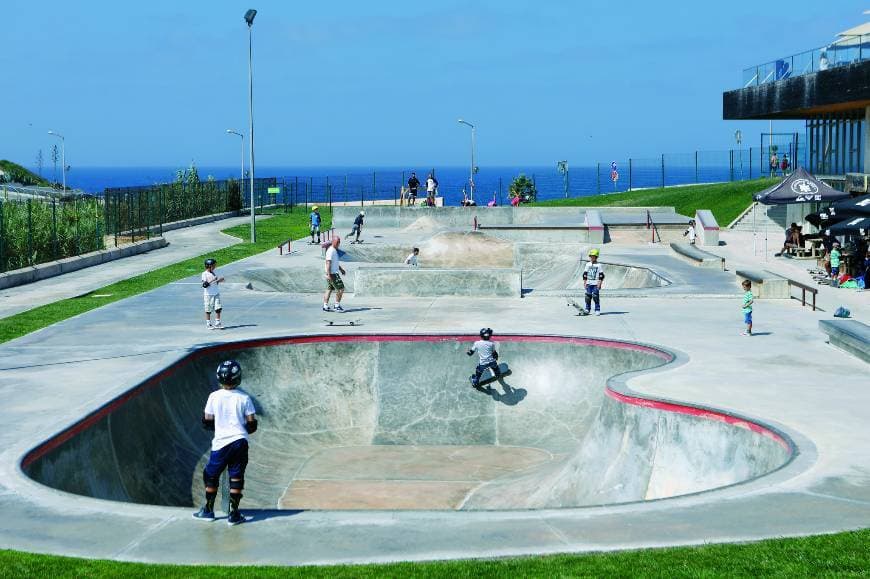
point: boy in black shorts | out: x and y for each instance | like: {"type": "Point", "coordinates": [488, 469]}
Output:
{"type": "Point", "coordinates": [230, 414]}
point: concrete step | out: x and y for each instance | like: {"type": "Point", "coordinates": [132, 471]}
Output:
{"type": "Point", "coordinates": [762, 217]}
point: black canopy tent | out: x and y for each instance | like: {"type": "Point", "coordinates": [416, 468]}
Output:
{"type": "Point", "coordinates": [854, 207]}
{"type": "Point", "coordinates": [800, 187]}
{"type": "Point", "coordinates": [855, 225]}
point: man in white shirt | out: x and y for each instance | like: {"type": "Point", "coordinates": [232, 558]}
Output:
{"type": "Point", "coordinates": [230, 414]}
{"type": "Point", "coordinates": [333, 279]}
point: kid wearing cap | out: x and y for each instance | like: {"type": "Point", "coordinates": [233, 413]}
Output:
{"type": "Point", "coordinates": [835, 263]}
{"type": "Point", "coordinates": [314, 223]}
{"type": "Point", "coordinates": [593, 281]}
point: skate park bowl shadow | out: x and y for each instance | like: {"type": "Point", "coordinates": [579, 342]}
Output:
{"type": "Point", "coordinates": [542, 266]}
{"type": "Point", "coordinates": [391, 422]}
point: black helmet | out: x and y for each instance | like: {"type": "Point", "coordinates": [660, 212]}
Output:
{"type": "Point", "coordinates": [210, 262]}
{"type": "Point", "coordinates": [486, 333]}
{"type": "Point", "coordinates": [229, 373]}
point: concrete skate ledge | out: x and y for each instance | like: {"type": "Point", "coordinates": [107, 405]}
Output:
{"type": "Point", "coordinates": [402, 281]}
{"type": "Point", "coordinates": [850, 336]}
{"type": "Point", "coordinates": [695, 256]}
{"type": "Point", "coordinates": [706, 227]}
{"type": "Point", "coordinates": [50, 269]}
{"type": "Point", "coordinates": [765, 284]}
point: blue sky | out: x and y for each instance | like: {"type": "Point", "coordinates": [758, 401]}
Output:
{"type": "Point", "coordinates": [381, 83]}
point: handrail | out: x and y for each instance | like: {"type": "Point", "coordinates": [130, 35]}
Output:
{"type": "Point", "coordinates": [804, 289]}
{"type": "Point", "coordinates": [650, 224]}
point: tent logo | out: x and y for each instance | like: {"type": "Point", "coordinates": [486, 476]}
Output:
{"type": "Point", "coordinates": [805, 190]}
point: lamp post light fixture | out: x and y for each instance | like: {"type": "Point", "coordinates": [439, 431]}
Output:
{"type": "Point", "coordinates": [473, 168]}
{"type": "Point", "coordinates": [242, 174]}
{"type": "Point", "coordinates": [62, 157]}
{"type": "Point", "coordinates": [249, 18]}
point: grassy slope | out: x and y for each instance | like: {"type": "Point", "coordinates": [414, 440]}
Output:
{"type": "Point", "coordinates": [270, 232]}
{"type": "Point", "coordinates": [22, 175]}
{"type": "Point", "coordinates": [725, 200]}
{"type": "Point", "coordinates": [843, 554]}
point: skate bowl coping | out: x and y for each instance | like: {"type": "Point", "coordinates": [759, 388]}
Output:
{"type": "Point", "coordinates": [393, 423]}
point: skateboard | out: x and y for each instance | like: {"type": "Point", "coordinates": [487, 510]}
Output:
{"type": "Point", "coordinates": [343, 322]}
{"type": "Point", "coordinates": [581, 309]}
{"type": "Point", "coordinates": [360, 241]}
{"type": "Point", "coordinates": [484, 381]}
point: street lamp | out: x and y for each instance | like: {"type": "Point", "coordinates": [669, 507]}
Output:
{"type": "Point", "coordinates": [242, 177]}
{"type": "Point", "coordinates": [471, 179]}
{"type": "Point", "coordinates": [562, 167]}
{"type": "Point", "coordinates": [249, 18]}
{"type": "Point", "coordinates": [62, 157]}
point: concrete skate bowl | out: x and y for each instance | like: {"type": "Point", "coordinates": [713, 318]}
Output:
{"type": "Point", "coordinates": [545, 266]}
{"type": "Point", "coordinates": [391, 422]}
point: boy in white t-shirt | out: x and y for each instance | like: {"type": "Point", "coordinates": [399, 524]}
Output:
{"type": "Point", "coordinates": [230, 414]}
{"type": "Point", "coordinates": [412, 258]}
{"type": "Point", "coordinates": [211, 294]}
{"type": "Point", "coordinates": [593, 281]}
{"type": "Point", "coordinates": [487, 352]}
{"type": "Point", "coordinates": [690, 232]}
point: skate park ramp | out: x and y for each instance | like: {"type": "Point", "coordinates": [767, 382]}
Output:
{"type": "Point", "coordinates": [544, 266]}
{"type": "Point", "coordinates": [391, 422]}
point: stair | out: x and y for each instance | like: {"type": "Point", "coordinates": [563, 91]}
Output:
{"type": "Point", "coordinates": [762, 217]}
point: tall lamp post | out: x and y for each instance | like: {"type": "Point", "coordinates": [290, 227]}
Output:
{"type": "Point", "coordinates": [242, 174]}
{"type": "Point", "coordinates": [62, 157]}
{"type": "Point", "coordinates": [562, 167]}
{"type": "Point", "coordinates": [249, 18]}
{"type": "Point", "coordinates": [471, 178]}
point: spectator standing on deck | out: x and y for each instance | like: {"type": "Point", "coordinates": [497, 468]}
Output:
{"type": "Point", "coordinates": [334, 271]}
{"type": "Point", "coordinates": [785, 165]}
{"type": "Point", "coordinates": [431, 189]}
{"type": "Point", "coordinates": [774, 165]}
{"type": "Point", "coordinates": [413, 185]}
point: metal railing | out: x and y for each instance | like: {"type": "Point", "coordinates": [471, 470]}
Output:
{"type": "Point", "coordinates": [847, 50]}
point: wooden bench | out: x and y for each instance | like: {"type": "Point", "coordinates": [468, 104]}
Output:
{"type": "Point", "coordinates": [851, 336]}
{"type": "Point", "coordinates": [697, 256]}
{"type": "Point", "coordinates": [766, 284]}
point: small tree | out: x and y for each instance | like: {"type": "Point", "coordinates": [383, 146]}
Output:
{"type": "Point", "coordinates": [55, 157]}
{"type": "Point", "coordinates": [524, 188]}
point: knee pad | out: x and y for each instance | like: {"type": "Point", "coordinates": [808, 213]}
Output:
{"type": "Point", "coordinates": [210, 481]}
{"type": "Point", "coordinates": [237, 484]}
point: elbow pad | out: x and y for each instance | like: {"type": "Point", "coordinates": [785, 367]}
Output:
{"type": "Point", "coordinates": [585, 275]}
{"type": "Point", "coordinates": [494, 355]}
{"type": "Point", "coordinates": [470, 352]}
{"type": "Point", "coordinates": [208, 423]}
{"type": "Point", "coordinates": [251, 426]}
{"type": "Point", "coordinates": [601, 276]}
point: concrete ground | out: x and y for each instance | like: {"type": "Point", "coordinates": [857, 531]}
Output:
{"type": "Point", "coordinates": [183, 244]}
{"type": "Point", "coordinates": [785, 376]}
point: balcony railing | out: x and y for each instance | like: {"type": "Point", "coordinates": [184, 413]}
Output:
{"type": "Point", "coordinates": [847, 50]}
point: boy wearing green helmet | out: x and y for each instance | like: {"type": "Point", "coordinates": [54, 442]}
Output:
{"type": "Point", "coordinates": [593, 281]}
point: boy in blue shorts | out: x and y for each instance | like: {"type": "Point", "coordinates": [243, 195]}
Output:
{"type": "Point", "coordinates": [230, 414]}
{"type": "Point", "coordinates": [748, 298]}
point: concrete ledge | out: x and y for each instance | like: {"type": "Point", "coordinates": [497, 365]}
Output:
{"type": "Point", "coordinates": [431, 282]}
{"type": "Point", "coordinates": [706, 228]}
{"type": "Point", "coordinates": [595, 226]}
{"type": "Point", "coordinates": [42, 271]}
{"type": "Point", "coordinates": [850, 336]}
{"type": "Point", "coordinates": [766, 284]}
{"type": "Point", "coordinates": [695, 256]}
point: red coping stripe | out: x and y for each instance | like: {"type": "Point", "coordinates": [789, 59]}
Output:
{"type": "Point", "coordinates": [699, 413]}
{"type": "Point", "coordinates": [100, 413]}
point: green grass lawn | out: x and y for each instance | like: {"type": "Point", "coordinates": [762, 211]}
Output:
{"type": "Point", "coordinates": [843, 554]}
{"type": "Point", "coordinates": [270, 232]}
{"type": "Point", "coordinates": [725, 200]}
